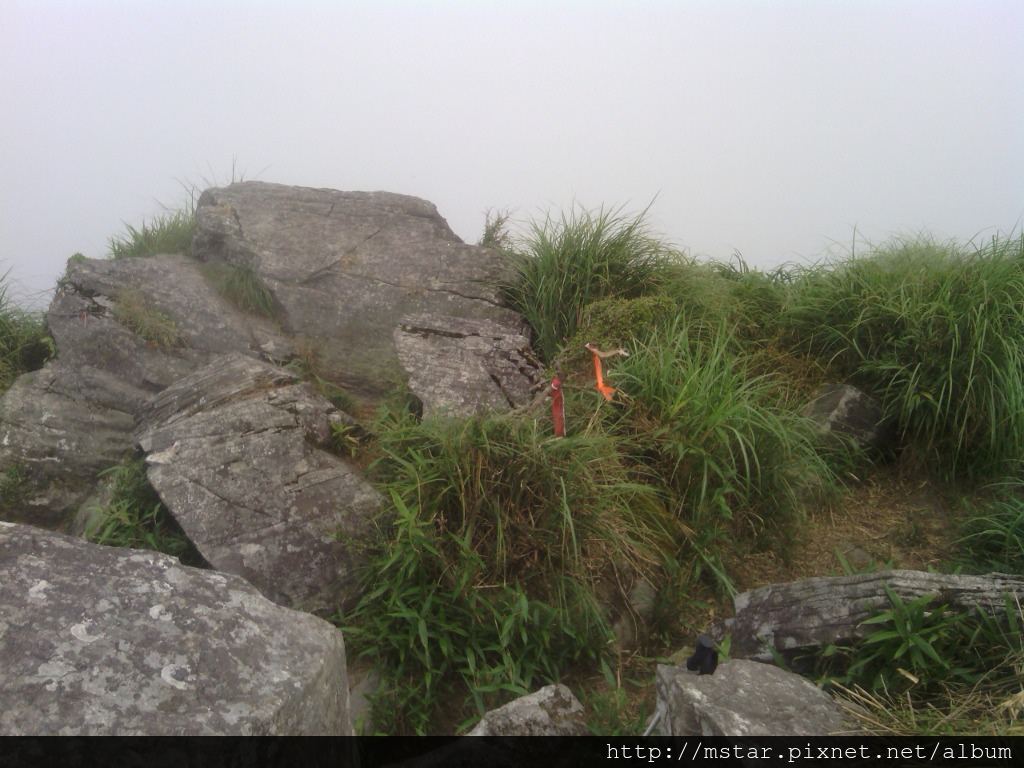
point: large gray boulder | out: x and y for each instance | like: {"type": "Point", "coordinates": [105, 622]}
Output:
{"type": "Point", "coordinates": [345, 269]}
{"type": "Point", "coordinates": [106, 641]}
{"type": "Point", "coordinates": [743, 698]}
{"type": "Point", "coordinates": [237, 452]}
{"type": "Point", "coordinates": [62, 425]}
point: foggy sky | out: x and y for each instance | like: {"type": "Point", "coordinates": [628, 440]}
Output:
{"type": "Point", "coordinates": [772, 129]}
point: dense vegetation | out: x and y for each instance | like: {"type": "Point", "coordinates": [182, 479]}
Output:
{"type": "Point", "coordinates": [510, 544]}
{"type": "Point", "coordinates": [492, 581]}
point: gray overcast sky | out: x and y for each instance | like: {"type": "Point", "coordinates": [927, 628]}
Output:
{"type": "Point", "coordinates": [770, 128]}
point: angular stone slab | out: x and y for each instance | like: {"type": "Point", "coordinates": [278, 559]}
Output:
{"type": "Point", "coordinates": [236, 453]}
{"type": "Point", "coordinates": [799, 617]}
{"type": "Point", "coordinates": [346, 267]}
{"type": "Point", "coordinates": [461, 366]}
{"type": "Point", "coordinates": [743, 698]}
{"type": "Point", "coordinates": [106, 641]}
{"type": "Point", "coordinates": [550, 711]}
{"type": "Point", "coordinates": [62, 425]}
{"type": "Point", "coordinates": [59, 427]}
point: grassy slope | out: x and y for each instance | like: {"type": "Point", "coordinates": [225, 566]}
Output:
{"type": "Point", "coordinates": [698, 475]}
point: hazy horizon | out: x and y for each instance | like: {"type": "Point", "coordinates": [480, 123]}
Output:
{"type": "Point", "coordinates": [770, 129]}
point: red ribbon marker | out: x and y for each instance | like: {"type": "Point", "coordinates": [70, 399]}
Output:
{"type": "Point", "coordinates": [557, 407]}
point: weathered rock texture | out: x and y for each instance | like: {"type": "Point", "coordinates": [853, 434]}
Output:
{"type": "Point", "coordinates": [346, 268]}
{"type": "Point", "coordinates": [236, 452]}
{"type": "Point", "coordinates": [62, 425]}
{"type": "Point", "coordinates": [743, 698]}
{"type": "Point", "coordinates": [844, 410]}
{"type": "Point", "coordinates": [105, 641]}
{"type": "Point", "coordinates": [801, 616]}
{"type": "Point", "coordinates": [460, 366]}
{"type": "Point", "coordinates": [551, 711]}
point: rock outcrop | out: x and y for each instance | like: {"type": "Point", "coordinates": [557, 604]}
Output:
{"type": "Point", "coordinates": [124, 330]}
{"type": "Point", "coordinates": [342, 271]}
{"type": "Point", "coordinates": [106, 641]}
{"type": "Point", "coordinates": [236, 452]}
{"type": "Point", "coordinates": [346, 268]}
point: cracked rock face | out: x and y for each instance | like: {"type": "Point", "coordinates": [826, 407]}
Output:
{"type": "Point", "coordinates": [65, 423]}
{"type": "Point", "coordinates": [107, 641]}
{"type": "Point", "coordinates": [347, 267]}
{"type": "Point", "coordinates": [236, 452]}
{"type": "Point", "coordinates": [460, 367]}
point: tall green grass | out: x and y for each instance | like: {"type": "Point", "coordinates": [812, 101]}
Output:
{"type": "Point", "coordinates": [564, 264]}
{"type": "Point", "coordinates": [167, 232]}
{"type": "Point", "coordinates": [936, 331]}
{"type": "Point", "coordinates": [487, 585]}
{"type": "Point", "coordinates": [993, 535]}
{"type": "Point", "coordinates": [25, 343]}
{"type": "Point", "coordinates": [135, 517]}
{"type": "Point", "coordinates": [719, 437]}
{"type": "Point", "coordinates": [243, 287]}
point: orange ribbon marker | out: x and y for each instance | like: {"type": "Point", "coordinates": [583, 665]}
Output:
{"type": "Point", "coordinates": [603, 388]}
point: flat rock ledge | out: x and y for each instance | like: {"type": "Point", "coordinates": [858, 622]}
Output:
{"type": "Point", "coordinates": [798, 617]}
{"type": "Point", "coordinates": [106, 641]}
{"type": "Point", "coordinates": [744, 698]}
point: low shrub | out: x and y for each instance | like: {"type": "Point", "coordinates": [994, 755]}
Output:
{"type": "Point", "coordinates": [936, 331]}
{"type": "Point", "coordinates": [935, 665]}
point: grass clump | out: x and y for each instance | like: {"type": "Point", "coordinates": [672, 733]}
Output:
{"type": "Point", "coordinates": [168, 232]}
{"type": "Point", "coordinates": [719, 438]}
{"type": "Point", "coordinates": [308, 365]}
{"type": "Point", "coordinates": [993, 536]}
{"type": "Point", "coordinates": [136, 518]}
{"type": "Point", "coordinates": [486, 586]}
{"type": "Point", "coordinates": [936, 331]}
{"type": "Point", "coordinates": [136, 312]}
{"type": "Point", "coordinates": [563, 265]}
{"type": "Point", "coordinates": [244, 288]}
{"type": "Point", "coordinates": [936, 668]}
{"type": "Point", "coordinates": [25, 343]}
